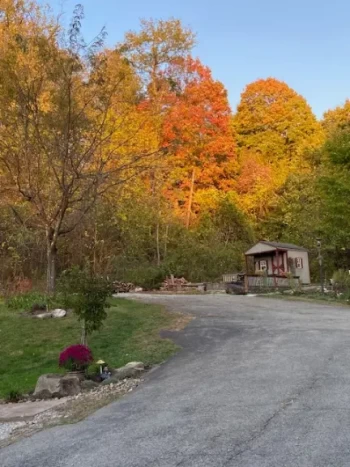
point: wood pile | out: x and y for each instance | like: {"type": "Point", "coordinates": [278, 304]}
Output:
{"type": "Point", "coordinates": [174, 283]}
{"type": "Point", "coordinates": [123, 287]}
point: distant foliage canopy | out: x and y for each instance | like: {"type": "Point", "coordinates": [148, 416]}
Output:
{"type": "Point", "coordinates": [128, 162]}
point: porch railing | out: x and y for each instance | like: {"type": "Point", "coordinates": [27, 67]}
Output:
{"type": "Point", "coordinates": [272, 282]}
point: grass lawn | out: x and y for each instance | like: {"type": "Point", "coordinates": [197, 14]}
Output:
{"type": "Point", "coordinates": [30, 347]}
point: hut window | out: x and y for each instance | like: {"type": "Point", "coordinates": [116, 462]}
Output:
{"type": "Point", "coordinates": [299, 263]}
{"type": "Point", "coordinates": [263, 265]}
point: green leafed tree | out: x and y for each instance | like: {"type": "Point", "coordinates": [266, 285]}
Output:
{"type": "Point", "coordinates": [86, 294]}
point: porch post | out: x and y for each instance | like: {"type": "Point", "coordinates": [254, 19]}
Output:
{"type": "Point", "coordinates": [277, 266]}
{"type": "Point", "coordinates": [246, 284]}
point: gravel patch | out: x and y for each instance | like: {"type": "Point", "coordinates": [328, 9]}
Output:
{"type": "Point", "coordinates": [74, 409]}
{"type": "Point", "coordinates": [6, 429]}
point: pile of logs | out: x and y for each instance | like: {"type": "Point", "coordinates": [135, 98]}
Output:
{"type": "Point", "coordinates": [174, 283]}
{"type": "Point", "coordinates": [123, 287]}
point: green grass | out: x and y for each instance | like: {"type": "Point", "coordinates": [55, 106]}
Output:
{"type": "Point", "coordinates": [30, 347]}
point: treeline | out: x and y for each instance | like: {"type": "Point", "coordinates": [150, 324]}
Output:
{"type": "Point", "coordinates": [130, 160]}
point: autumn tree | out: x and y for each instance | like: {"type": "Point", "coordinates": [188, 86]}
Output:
{"type": "Point", "coordinates": [276, 122]}
{"type": "Point", "coordinates": [337, 119]}
{"type": "Point", "coordinates": [256, 184]}
{"type": "Point", "coordinates": [335, 189]}
{"type": "Point", "coordinates": [296, 217]}
{"type": "Point", "coordinates": [60, 140]}
{"type": "Point", "coordinates": [332, 188]}
{"type": "Point", "coordinates": [276, 127]}
{"type": "Point", "coordinates": [154, 48]}
{"type": "Point", "coordinates": [151, 52]}
{"type": "Point", "coordinates": [199, 123]}
{"type": "Point", "coordinates": [315, 204]}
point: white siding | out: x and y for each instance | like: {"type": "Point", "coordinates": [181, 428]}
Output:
{"type": "Point", "coordinates": [303, 273]}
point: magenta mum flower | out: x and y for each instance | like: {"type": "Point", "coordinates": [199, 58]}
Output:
{"type": "Point", "coordinates": [75, 357]}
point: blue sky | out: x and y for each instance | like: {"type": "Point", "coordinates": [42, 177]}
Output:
{"type": "Point", "coordinates": [303, 42]}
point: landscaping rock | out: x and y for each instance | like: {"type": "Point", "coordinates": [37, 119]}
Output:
{"type": "Point", "coordinates": [43, 315]}
{"type": "Point", "coordinates": [70, 386]}
{"type": "Point", "coordinates": [51, 385]}
{"type": "Point", "coordinates": [112, 380]}
{"type": "Point", "coordinates": [58, 313]}
{"type": "Point", "coordinates": [130, 370]}
{"type": "Point", "coordinates": [134, 366]}
{"type": "Point", "coordinates": [47, 386]}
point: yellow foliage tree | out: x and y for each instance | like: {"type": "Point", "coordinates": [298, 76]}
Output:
{"type": "Point", "coordinates": [275, 128]}
{"type": "Point", "coordinates": [67, 116]}
{"type": "Point", "coordinates": [337, 119]}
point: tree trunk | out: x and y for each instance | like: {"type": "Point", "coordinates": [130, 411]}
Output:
{"type": "Point", "coordinates": [166, 240]}
{"type": "Point", "coordinates": [189, 207]}
{"type": "Point", "coordinates": [83, 333]}
{"type": "Point", "coordinates": [94, 268]}
{"type": "Point", "coordinates": [51, 253]}
{"type": "Point", "coordinates": [157, 244]}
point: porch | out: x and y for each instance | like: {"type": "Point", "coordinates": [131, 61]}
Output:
{"type": "Point", "coordinates": [258, 282]}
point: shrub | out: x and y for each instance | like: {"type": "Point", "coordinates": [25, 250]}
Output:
{"type": "Point", "coordinates": [341, 280]}
{"type": "Point", "coordinates": [87, 295]}
{"type": "Point", "coordinates": [76, 358]}
{"type": "Point", "coordinates": [26, 301]}
{"type": "Point", "coordinates": [33, 301]}
{"type": "Point", "coordinates": [13, 396]}
{"type": "Point", "coordinates": [93, 371]}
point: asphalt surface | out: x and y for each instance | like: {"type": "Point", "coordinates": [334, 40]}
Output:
{"type": "Point", "coordinates": [259, 383]}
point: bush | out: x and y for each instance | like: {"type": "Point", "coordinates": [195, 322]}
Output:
{"type": "Point", "coordinates": [341, 280]}
{"type": "Point", "coordinates": [93, 371]}
{"type": "Point", "coordinates": [13, 396]}
{"type": "Point", "coordinates": [87, 295]}
{"type": "Point", "coordinates": [33, 300]}
{"type": "Point", "coordinates": [76, 358]}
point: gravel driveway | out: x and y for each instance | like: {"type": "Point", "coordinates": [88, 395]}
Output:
{"type": "Point", "coordinates": [259, 383]}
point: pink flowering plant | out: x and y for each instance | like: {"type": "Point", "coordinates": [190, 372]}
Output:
{"type": "Point", "coordinates": [76, 358]}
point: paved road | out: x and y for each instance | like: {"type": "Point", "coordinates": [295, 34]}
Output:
{"type": "Point", "coordinates": [259, 383]}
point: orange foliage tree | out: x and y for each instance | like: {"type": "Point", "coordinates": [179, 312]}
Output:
{"type": "Point", "coordinates": [198, 125]}
{"type": "Point", "coordinates": [255, 184]}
